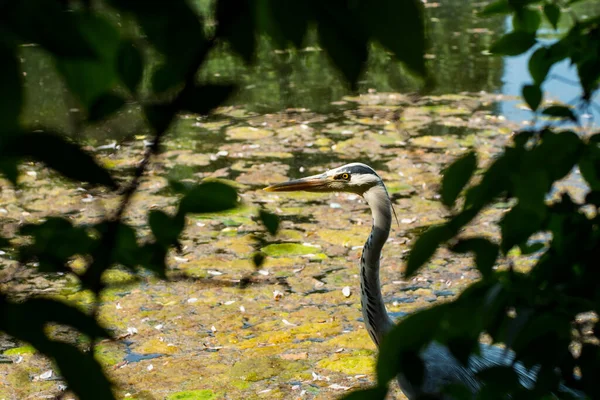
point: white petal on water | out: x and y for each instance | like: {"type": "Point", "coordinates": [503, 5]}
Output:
{"type": "Point", "coordinates": [158, 327]}
{"type": "Point", "coordinates": [200, 224]}
{"type": "Point", "coordinates": [288, 323]}
{"type": "Point", "coordinates": [132, 330]}
{"type": "Point", "coordinates": [229, 302]}
{"type": "Point", "coordinates": [408, 220]}
{"type": "Point", "coordinates": [335, 205]}
{"type": "Point", "coordinates": [335, 386]}
{"type": "Point", "coordinates": [150, 367]}
{"type": "Point", "coordinates": [277, 295]}
{"type": "Point", "coordinates": [265, 391]}
{"type": "Point", "coordinates": [19, 360]}
{"type": "Point", "coordinates": [311, 245]}
{"type": "Point", "coordinates": [192, 300]}
{"type": "Point", "coordinates": [346, 291]}
{"type": "Point", "coordinates": [119, 306]}
{"type": "Point", "coordinates": [242, 309]}
{"type": "Point", "coordinates": [213, 272]}
{"type": "Point", "coordinates": [263, 272]}
{"type": "Point", "coordinates": [212, 328]}
{"type": "Point", "coordinates": [180, 259]}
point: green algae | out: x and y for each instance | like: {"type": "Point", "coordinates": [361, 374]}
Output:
{"type": "Point", "coordinates": [289, 249]}
{"type": "Point", "coordinates": [261, 368]}
{"type": "Point", "coordinates": [109, 354]}
{"type": "Point", "coordinates": [359, 362]}
{"type": "Point", "coordinates": [19, 351]}
{"type": "Point", "coordinates": [204, 394]}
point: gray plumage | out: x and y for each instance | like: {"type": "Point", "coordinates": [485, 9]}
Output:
{"type": "Point", "coordinates": [441, 368]}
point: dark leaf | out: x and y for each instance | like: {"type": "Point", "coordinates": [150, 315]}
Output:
{"type": "Point", "coordinates": [52, 26]}
{"type": "Point", "coordinates": [89, 79]}
{"type": "Point", "coordinates": [497, 7]}
{"type": "Point", "coordinates": [593, 197]}
{"type": "Point", "coordinates": [104, 106]}
{"type": "Point", "coordinates": [539, 65]}
{"type": "Point", "coordinates": [205, 98]}
{"type": "Point", "coordinates": [130, 65]}
{"type": "Point", "coordinates": [589, 165]}
{"type": "Point", "coordinates": [485, 251]}
{"type": "Point", "coordinates": [517, 226]}
{"type": "Point", "coordinates": [342, 39]}
{"type": "Point", "coordinates": [456, 176]}
{"type": "Point", "coordinates": [159, 116]}
{"type": "Point", "coordinates": [56, 152]}
{"type": "Point", "coordinates": [270, 221]}
{"type": "Point", "coordinates": [533, 96]}
{"type": "Point", "coordinates": [410, 335]}
{"type": "Point", "coordinates": [552, 12]}
{"type": "Point", "coordinates": [166, 229]}
{"type": "Point", "coordinates": [374, 393]}
{"type": "Point", "coordinates": [8, 167]}
{"type": "Point", "coordinates": [285, 21]}
{"type": "Point", "coordinates": [236, 24]}
{"type": "Point", "coordinates": [11, 100]}
{"type": "Point", "coordinates": [504, 379]}
{"type": "Point", "coordinates": [425, 247]}
{"type": "Point", "coordinates": [514, 43]}
{"type": "Point", "coordinates": [126, 250]}
{"type": "Point", "coordinates": [4, 243]}
{"type": "Point", "coordinates": [398, 25]}
{"type": "Point", "coordinates": [559, 152]}
{"type": "Point", "coordinates": [208, 197]}
{"type": "Point", "coordinates": [527, 20]}
{"type": "Point", "coordinates": [560, 112]}
{"type": "Point", "coordinates": [153, 258]}
{"type": "Point", "coordinates": [258, 259]}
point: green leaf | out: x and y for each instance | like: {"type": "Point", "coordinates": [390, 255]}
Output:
{"type": "Point", "coordinates": [485, 251]}
{"type": "Point", "coordinates": [153, 258]}
{"type": "Point", "coordinates": [552, 13]}
{"type": "Point", "coordinates": [53, 27]}
{"type": "Point", "coordinates": [533, 96]}
{"type": "Point", "coordinates": [495, 8]}
{"type": "Point", "coordinates": [258, 259]}
{"type": "Point", "coordinates": [425, 247]}
{"type": "Point", "coordinates": [104, 106]}
{"type": "Point", "coordinates": [412, 334]}
{"type": "Point", "coordinates": [236, 24]}
{"type": "Point", "coordinates": [558, 152]}
{"type": "Point", "coordinates": [540, 63]}
{"type": "Point", "coordinates": [392, 22]}
{"type": "Point", "coordinates": [165, 228]}
{"type": "Point", "coordinates": [527, 20]}
{"type": "Point", "coordinates": [269, 220]}
{"type": "Point", "coordinates": [130, 65]}
{"type": "Point", "coordinates": [11, 101]}
{"type": "Point", "coordinates": [89, 79]}
{"type": "Point", "coordinates": [517, 226]}
{"type": "Point", "coordinates": [456, 176]}
{"type": "Point", "coordinates": [589, 165]}
{"type": "Point", "coordinates": [65, 157]}
{"type": "Point", "coordinates": [343, 40]}
{"type": "Point", "coordinates": [514, 43]}
{"type": "Point", "coordinates": [208, 197]}
{"type": "Point", "coordinates": [205, 98]}
{"type": "Point", "coordinates": [285, 21]}
{"type": "Point", "coordinates": [560, 112]}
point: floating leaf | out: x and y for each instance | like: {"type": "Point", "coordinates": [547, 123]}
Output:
{"type": "Point", "coordinates": [270, 221]}
{"type": "Point", "coordinates": [485, 251]}
{"type": "Point", "coordinates": [533, 96]}
{"type": "Point", "coordinates": [456, 177]}
{"type": "Point", "coordinates": [208, 197]}
{"type": "Point", "coordinates": [130, 65]}
{"type": "Point", "coordinates": [425, 247]}
{"type": "Point", "coordinates": [56, 152]}
{"type": "Point", "coordinates": [514, 43]}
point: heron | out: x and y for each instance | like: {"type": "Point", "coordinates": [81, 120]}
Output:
{"type": "Point", "coordinates": [440, 366]}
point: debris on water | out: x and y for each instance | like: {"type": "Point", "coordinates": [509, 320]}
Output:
{"type": "Point", "coordinates": [132, 331]}
{"type": "Point", "coordinates": [213, 272]}
{"type": "Point", "coordinates": [277, 295]}
{"type": "Point", "coordinates": [263, 272]}
{"type": "Point", "coordinates": [335, 205]}
{"type": "Point", "coordinates": [192, 300]}
{"type": "Point", "coordinates": [242, 309]}
{"type": "Point", "coordinates": [408, 220]}
{"type": "Point", "coordinates": [346, 291]}
{"type": "Point", "coordinates": [158, 327]}
{"type": "Point", "coordinates": [288, 323]}
{"type": "Point", "coordinates": [212, 328]}
{"type": "Point", "coordinates": [335, 386]}
{"type": "Point", "coordinates": [44, 376]}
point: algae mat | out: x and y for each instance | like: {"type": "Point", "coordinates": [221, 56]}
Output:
{"type": "Point", "coordinates": [295, 331]}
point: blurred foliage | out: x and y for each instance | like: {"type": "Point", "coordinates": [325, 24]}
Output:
{"type": "Point", "coordinates": [534, 313]}
{"type": "Point", "coordinates": [104, 66]}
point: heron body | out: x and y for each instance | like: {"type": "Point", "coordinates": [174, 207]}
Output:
{"type": "Point", "coordinates": [440, 366]}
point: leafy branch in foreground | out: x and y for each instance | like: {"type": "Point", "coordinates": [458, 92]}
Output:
{"type": "Point", "coordinates": [103, 70]}
{"type": "Point", "coordinates": [534, 313]}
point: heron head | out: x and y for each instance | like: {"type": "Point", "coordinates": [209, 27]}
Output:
{"type": "Point", "coordinates": [354, 178]}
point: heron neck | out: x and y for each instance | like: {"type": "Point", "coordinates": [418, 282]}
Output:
{"type": "Point", "coordinates": [377, 321]}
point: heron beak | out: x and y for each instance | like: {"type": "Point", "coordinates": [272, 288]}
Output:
{"type": "Point", "coordinates": [313, 183]}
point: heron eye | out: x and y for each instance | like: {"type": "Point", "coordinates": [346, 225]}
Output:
{"type": "Point", "coordinates": [345, 176]}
